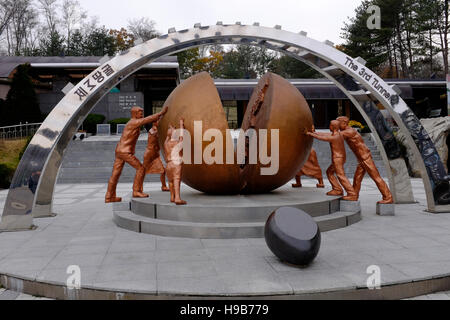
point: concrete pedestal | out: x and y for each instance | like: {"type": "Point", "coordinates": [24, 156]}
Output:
{"type": "Point", "coordinates": [386, 209]}
{"type": "Point", "coordinates": [350, 206]}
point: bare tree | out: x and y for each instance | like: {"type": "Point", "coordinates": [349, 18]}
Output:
{"type": "Point", "coordinates": [49, 8]}
{"type": "Point", "coordinates": [72, 17]}
{"type": "Point", "coordinates": [7, 10]}
{"type": "Point", "coordinates": [143, 28]}
{"type": "Point", "coordinates": [23, 22]}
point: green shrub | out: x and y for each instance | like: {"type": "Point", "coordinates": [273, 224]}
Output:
{"type": "Point", "coordinates": [6, 175]}
{"type": "Point", "coordinates": [115, 122]}
{"type": "Point", "coordinates": [366, 129]}
{"type": "Point", "coordinates": [91, 122]}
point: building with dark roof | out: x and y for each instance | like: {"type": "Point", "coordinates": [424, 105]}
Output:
{"type": "Point", "coordinates": [151, 85]}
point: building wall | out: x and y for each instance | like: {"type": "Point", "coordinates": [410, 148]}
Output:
{"type": "Point", "coordinates": [112, 106]}
{"type": "Point", "coordinates": [4, 88]}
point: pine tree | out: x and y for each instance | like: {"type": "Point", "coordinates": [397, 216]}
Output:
{"type": "Point", "coordinates": [53, 45]}
{"type": "Point", "coordinates": [21, 102]}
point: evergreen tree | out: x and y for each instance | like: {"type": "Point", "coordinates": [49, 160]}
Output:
{"type": "Point", "coordinates": [76, 45]}
{"type": "Point", "coordinates": [2, 113]}
{"type": "Point", "coordinates": [21, 102]}
{"type": "Point", "coordinates": [53, 45]}
{"type": "Point", "coordinates": [291, 68]}
{"type": "Point", "coordinates": [100, 42]}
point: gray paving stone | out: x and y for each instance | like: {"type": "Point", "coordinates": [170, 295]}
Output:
{"type": "Point", "coordinates": [414, 241]}
{"type": "Point", "coordinates": [26, 297]}
{"type": "Point", "coordinates": [423, 270]}
{"type": "Point", "coordinates": [255, 285]}
{"type": "Point", "coordinates": [122, 273]}
{"type": "Point", "coordinates": [86, 250]}
{"type": "Point", "coordinates": [9, 295]}
{"type": "Point", "coordinates": [182, 256]}
{"type": "Point", "coordinates": [245, 267]}
{"type": "Point", "coordinates": [63, 260]}
{"type": "Point", "coordinates": [143, 245]}
{"type": "Point", "coordinates": [188, 269]}
{"type": "Point", "coordinates": [438, 296]}
{"type": "Point", "coordinates": [204, 285]}
{"type": "Point", "coordinates": [145, 286]}
{"type": "Point", "coordinates": [177, 243]}
{"type": "Point", "coordinates": [317, 281]}
{"type": "Point", "coordinates": [25, 265]}
{"type": "Point", "coordinates": [129, 258]}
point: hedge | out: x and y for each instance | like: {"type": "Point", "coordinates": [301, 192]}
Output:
{"type": "Point", "coordinates": [91, 121]}
{"type": "Point", "coordinates": [115, 122]}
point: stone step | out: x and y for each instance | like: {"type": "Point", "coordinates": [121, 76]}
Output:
{"type": "Point", "coordinates": [198, 230]}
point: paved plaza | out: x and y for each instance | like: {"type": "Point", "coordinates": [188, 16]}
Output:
{"type": "Point", "coordinates": [412, 246]}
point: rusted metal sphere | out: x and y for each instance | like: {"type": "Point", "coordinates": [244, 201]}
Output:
{"type": "Point", "coordinates": [275, 105]}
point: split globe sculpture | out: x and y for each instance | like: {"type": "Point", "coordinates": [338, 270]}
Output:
{"type": "Point", "coordinates": [276, 119]}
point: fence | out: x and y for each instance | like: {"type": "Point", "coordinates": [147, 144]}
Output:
{"type": "Point", "coordinates": [19, 131]}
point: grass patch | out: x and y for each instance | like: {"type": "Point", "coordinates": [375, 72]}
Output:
{"type": "Point", "coordinates": [10, 151]}
{"type": "Point", "coordinates": [10, 154]}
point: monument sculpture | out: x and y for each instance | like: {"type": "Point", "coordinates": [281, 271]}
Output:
{"type": "Point", "coordinates": [152, 158]}
{"type": "Point", "coordinates": [125, 154]}
{"type": "Point", "coordinates": [384, 130]}
{"type": "Point", "coordinates": [365, 161]}
{"type": "Point", "coordinates": [338, 158]}
{"type": "Point", "coordinates": [174, 156]}
{"type": "Point", "coordinates": [280, 109]}
{"type": "Point", "coordinates": [311, 169]}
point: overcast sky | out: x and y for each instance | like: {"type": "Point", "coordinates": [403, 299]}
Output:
{"type": "Point", "coordinates": [322, 19]}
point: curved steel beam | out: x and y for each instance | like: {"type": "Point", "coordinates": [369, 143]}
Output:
{"type": "Point", "coordinates": [43, 157]}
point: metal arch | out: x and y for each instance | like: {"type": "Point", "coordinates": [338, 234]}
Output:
{"type": "Point", "coordinates": [34, 180]}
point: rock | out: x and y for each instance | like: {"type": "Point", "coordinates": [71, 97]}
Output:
{"type": "Point", "coordinates": [438, 129]}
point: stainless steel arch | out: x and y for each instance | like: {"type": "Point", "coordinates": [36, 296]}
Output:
{"type": "Point", "coordinates": [32, 188]}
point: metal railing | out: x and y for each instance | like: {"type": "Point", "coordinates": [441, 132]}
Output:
{"type": "Point", "coordinates": [19, 131]}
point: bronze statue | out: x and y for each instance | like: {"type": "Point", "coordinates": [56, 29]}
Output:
{"type": "Point", "coordinates": [152, 158]}
{"type": "Point", "coordinates": [338, 158]}
{"type": "Point", "coordinates": [366, 163]}
{"type": "Point", "coordinates": [174, 162]}
{"type": "Point", "coordinates": [125, 154]}
{"type": "Point", "coordinates": [311, 169]}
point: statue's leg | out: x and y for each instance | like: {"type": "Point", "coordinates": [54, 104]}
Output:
{"type": "Point", "coordinates": [177, 187]}
{"type": "Point", "coordinates": [298, 181]}
{"type": "Point", "coordinates": [172, 191]}
{"type": "Point", "coordinates": [358, 178]}
{"type": "Point", "coordinates": [163, 182]}
{"type": "Point", "coordinates": [139, 178]}
{"type": "Point", "coordinates": [145, 164]}
{"type": "Point", "coordinates": [112, 184]}
{"type": "Point", "coordinates": [340, 172]}
{"type": "Point", "coordinates": [373, 172]}
{"type": "Point", "coordinates": [337, 189]}
{"type": "Point", "coordinates": [320, 184]}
